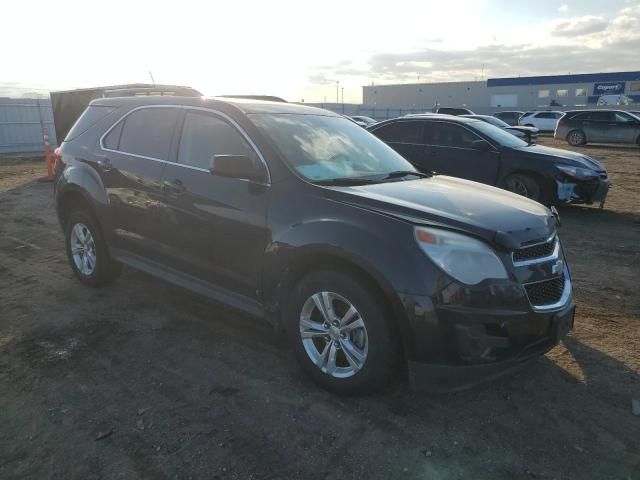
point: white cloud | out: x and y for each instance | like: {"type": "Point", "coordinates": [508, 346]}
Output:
{"type": "Point", "coordinates": [563, 8]}
{"type": "Point", "coordinates": [576, 27]}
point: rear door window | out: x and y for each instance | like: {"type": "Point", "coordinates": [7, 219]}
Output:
{"type": "Point", "coordinates": [601, 116]}
{"type": "Point", "coordinates": [448, 135]}
{"type": "Point", "coordinates": [204, 136]}
{"type": "Point", "coordinates": [401, 132]}
{"type": "Point", "coordinates": [147, 132]}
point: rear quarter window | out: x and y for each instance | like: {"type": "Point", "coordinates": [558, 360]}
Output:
{"type": "Point", "coordinates": [92, 115]}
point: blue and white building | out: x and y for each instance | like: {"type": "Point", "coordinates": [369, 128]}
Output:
{"type": "Point", "coordinates": [511, 93]}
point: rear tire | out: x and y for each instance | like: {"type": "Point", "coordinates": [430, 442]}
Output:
{"type": "Point", "coordinates": [340, 333]}
{"type": "Point", "coordinates": [525, 185]}
{"type": "Point", "coordinates": [87, 251]}
{"type": "Point", "coordinates": [576, 138]}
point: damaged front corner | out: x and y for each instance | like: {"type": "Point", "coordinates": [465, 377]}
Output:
{"type": "Point", "coordinates": [566, 191]}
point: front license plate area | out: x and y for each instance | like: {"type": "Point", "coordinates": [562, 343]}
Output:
{"type": "Point", "coordinates": [563, 323]}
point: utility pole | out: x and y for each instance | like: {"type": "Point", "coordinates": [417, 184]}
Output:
{"type": "Point", "coordinates": [342, 95]}
{"type": "Point", "coordinates": [337, 89]}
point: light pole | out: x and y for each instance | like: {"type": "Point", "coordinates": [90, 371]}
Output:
{"type": "Point", "coordinates": [342, 95]}
{"type": "Point", "coordinates": [337, 89]}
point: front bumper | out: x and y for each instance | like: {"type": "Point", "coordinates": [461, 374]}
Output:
{"type": "Point", "coordinates": [488, 346]}
{"type": "Point", "coordinates": [583, 191]}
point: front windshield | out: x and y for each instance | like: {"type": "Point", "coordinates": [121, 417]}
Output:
{"type": "Point", "coordinates": [323, 148]}
{"type": "Point", "coordinates": [495, 121]}
{"type": "Point", "coordinates": [499, 135]}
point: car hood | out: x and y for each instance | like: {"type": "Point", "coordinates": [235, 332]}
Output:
{"type": "Point", "coordinates": [498, 216]}
{"type": "Point", "coordinates": [522, 129]}
{"type": "Point", "coordinates": [562, 156]}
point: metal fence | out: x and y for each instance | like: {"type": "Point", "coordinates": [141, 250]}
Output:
{"type": "Point", "coordinates": [21, 123]}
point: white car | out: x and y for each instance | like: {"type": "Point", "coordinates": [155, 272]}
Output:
{"type": "Point", "coordinates": [618, 99]}
{"type": "Point", "coordinates": [542, 120]}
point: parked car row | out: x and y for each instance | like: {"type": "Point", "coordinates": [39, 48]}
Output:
{"type": "Point", "coordinates": [366, 257]}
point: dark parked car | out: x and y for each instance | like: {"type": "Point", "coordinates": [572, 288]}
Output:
{"type": "Point", "coordinates": [528, 134]}
{"type": "Point", "coordinates": [510, 117]}
{"type": "Point", "coordinates": [299, 215]}
{"type": "Point", "coordinates": [454, 111]}
{"type": "Point", "coordinates": [475, 150]}
{"type": "Point", "coordinates": [579, 127]}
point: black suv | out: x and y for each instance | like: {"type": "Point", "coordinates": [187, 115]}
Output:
{"type": "Point", "coordinates": [578, 127]}
{"type": "Point", "coordinates": [476, 150]}
{"type": "Point", "coordinates": [299, 215]}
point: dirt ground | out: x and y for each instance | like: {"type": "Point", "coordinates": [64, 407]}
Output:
{"type": "Point", "coordinates": [144, 380]}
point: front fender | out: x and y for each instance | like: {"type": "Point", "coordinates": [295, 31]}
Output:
{"type": "Point", "coordinates": [381, 247]}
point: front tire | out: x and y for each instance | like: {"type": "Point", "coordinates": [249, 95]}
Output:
{"type": "Point", "coordinates": [340, 333]}
{"type": "Point", "coordinates": [576, 138]}
{"type": "Point", "coordinates": [525, 185]}
{"type": "Point", "coordinates": [87, 251]}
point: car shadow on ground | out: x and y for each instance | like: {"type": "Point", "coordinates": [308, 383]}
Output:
{"type": "Point", "coordinates": [580, 213]}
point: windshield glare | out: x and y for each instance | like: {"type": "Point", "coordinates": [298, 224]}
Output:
{"type": "Point", "coordinates": [322, 148]}
{"type": "Point", "coordinates": [499, 135]}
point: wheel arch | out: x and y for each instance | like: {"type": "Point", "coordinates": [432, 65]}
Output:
{"type": "Point", "coordinates": [70, 199]}
{"type": "Point", "coordinates": [566, 137]}
{"type": "Point", "coordinates": [326, 258]}
{"type": "Point", "coordinates": [546, 183]}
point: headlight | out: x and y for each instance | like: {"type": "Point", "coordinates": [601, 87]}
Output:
{"type": "Point", "coordinates": [464, 258]}
{"type": "Point", "coordinates": [577, 172]}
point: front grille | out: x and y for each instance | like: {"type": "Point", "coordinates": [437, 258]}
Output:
{"type": "Point", "coordinates": [540, 250]}
{"type": "Point", "coordinates": [546, 292]}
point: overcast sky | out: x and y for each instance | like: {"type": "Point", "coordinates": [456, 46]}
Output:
{"type": "Point", "coordinates": [299, 49]}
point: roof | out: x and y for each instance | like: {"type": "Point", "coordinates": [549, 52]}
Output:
{"type": "Point", "coordinates": [246, 106]}
{"type": "Point", "coordinates": [128, 86]}
{"type": "Point", "coordinates": [558, 79]}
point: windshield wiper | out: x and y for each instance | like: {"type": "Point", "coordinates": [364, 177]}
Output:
{"type": "Point", "coordinates": [346, 181]}
{"type": "Point", "coordinates": [404, 173]}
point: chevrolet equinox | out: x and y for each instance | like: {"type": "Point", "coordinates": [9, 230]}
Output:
{"type": "Point", "coordinates": [300, 216]}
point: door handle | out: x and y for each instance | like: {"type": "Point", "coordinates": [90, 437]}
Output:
{"type": "Point", "coordinates": [174, 188]}
{"type": "Point", "coordinates": [105, 164]}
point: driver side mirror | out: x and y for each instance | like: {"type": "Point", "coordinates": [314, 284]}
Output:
{"type": "Point", "coordinates": [481, 145]}
{"type": "Point", "coordinates": [247, 167]}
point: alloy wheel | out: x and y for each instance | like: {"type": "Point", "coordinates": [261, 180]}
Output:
{"type": "Point", "coordinates": [516, 185]}
{"type": "Point", "coordinates": [83, 249]}
{"type": "Point", "coordinates": [333, 334]}
{"type": "Point", "coordinates": [576, 138]}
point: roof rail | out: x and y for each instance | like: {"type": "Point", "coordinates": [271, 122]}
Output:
{"type": "Point", "coordinates": [156, 90]}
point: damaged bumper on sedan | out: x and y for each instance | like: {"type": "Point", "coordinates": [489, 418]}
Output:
{"type": "Point", "coordinates": [589, 190]}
